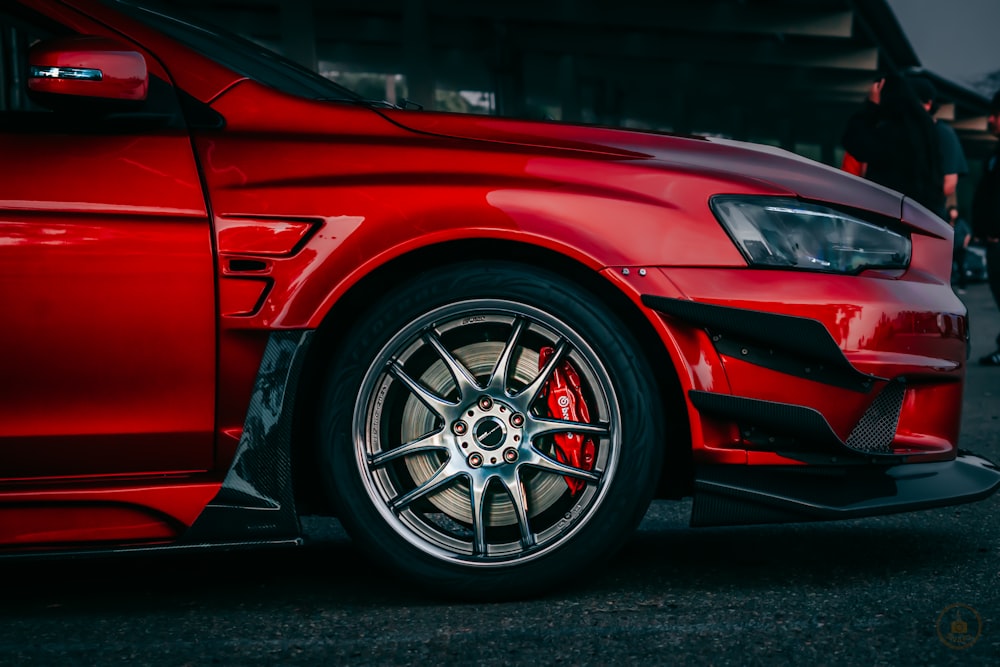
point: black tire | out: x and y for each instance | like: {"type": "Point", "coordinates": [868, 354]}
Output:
{"type": "Point", "coordinates": [398, 380]}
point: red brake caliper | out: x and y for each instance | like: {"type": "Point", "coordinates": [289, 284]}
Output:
{"type": "Point", "coordinates": [565, 401]}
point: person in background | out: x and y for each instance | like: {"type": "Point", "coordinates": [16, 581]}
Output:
{"type": "Point", "coordinates": [963, 234]}
{"type": "Point", "coordinates": [895, 136]}
{"type": "Point", "coordinates": [851, 165]}
{"type": "Point", "coordinates": [986, 218]}
{"type": "Point", "coordinates": [952, 156]}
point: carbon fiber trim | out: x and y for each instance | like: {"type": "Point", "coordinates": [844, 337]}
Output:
{"type": "Point", "coordinates": [793, 345]}
{"type": "Point", "coordinates": [256, 500]}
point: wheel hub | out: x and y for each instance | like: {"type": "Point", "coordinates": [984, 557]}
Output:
{"type": "Point", "coordinates": [489, 432]}
{"type": "Point", "coordinates": [495, 437]}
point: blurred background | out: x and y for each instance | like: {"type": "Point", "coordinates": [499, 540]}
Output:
{"type": "Point", "coordinates": [782, 72]}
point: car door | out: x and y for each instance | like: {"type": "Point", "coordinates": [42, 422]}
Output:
{"type": "Point", "coordinates": [107, 293]}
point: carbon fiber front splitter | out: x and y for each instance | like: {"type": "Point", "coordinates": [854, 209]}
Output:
{"type": "Point", "coordinates": [741, 495]}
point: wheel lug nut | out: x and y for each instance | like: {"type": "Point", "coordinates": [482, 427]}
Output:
{"type": "Point", "coordinates": [485, 403]}
{"type": "Point", "coordinates": [475, 460]}
{"type": "Point", "coordinates": [510, 455]}
{"type": "Point", "coordinates": [460, 427]}
{"type": "Point", "coordinates": [517, 420]}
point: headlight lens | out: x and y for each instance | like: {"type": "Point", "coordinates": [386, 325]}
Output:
{"type": "Point", "coordinates": [787, 233]}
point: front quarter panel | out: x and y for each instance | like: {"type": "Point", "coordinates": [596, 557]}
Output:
{"type": "Point", "coordinates": [376, 191]}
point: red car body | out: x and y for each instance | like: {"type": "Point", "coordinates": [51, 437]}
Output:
{"type": "Point", "coordinates": [178, 283]}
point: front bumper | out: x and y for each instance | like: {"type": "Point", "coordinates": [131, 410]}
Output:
{"type": "Point", "coordinates": [782, 369]}
{"type": "Point", "coordinates": [741, 495]}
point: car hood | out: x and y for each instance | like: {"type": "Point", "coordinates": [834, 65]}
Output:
{"type": "Point", "coordinates": [778, 169]}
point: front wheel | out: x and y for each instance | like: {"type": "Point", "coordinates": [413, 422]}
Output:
{"type": "Point", "coordinates": [490, 431]}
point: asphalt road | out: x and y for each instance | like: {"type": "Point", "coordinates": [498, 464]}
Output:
{"type": "Point", "coordinates": [875, 592]}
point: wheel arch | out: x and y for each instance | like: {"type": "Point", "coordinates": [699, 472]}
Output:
{"type": "Point", "coordinates": [677, 473]}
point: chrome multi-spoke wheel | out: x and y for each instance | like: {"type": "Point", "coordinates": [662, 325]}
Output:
{"type": "Point", "coordinates": [488, 429]}
{"type": "Point", "coordinates": [454, 439]}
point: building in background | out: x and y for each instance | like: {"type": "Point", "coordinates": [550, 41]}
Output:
{"type": "Point", "coordinates": [781, 72]}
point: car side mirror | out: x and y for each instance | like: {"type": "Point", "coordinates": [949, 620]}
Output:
{"type": "Point", "coordinates": [86, 69]}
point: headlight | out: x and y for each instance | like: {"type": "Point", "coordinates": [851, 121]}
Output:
{"type": "Point", "coordinates": [775, 232]}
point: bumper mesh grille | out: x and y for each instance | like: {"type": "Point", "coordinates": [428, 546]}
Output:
{"type": "Point", "coordinates": [877, 427]}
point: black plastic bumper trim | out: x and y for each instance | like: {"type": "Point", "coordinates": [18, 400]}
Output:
{"type": "Point", "coordinates": [793, 345]}
{"type": "Point", "coordinates": [801, 423]}
{"type": "Point", "coordinates": [742, 495]}
{"type": "Point", "coordinates": [142, 549]}
{"type": "Point", "coordinates": [799, 428]}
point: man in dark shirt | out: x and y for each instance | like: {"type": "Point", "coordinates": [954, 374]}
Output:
{"type": "Point", "coordinates": [895, 135]}
{"type": "Point", "coordinates": [986, 218]}
{"type": "Point", "coordinates": [952, 155]}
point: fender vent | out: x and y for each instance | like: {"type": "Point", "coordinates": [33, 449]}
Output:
{"type": "Point", "coordinates": [877, 427]}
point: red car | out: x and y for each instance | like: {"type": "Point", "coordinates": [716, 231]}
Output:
{"type": "Point", "coordinates": [234, 293]}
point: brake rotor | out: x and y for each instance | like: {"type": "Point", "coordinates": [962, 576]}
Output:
{"type": "Point", "coordinates": [542, 490]}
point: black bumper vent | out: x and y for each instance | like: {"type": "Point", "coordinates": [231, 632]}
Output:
{"type": "Point", "coordinates": [877, 427]}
